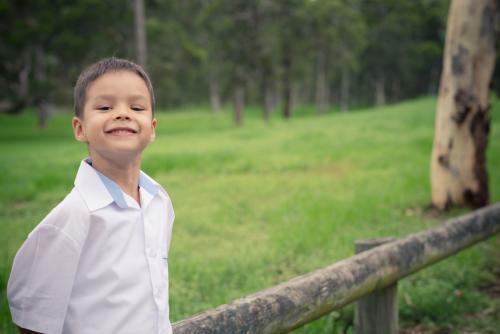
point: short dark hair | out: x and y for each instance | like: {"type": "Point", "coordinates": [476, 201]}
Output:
{"type": "Point", "coordinates": [98, 69]}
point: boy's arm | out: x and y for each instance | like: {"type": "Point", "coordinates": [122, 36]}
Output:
{"type": "Point", "coordinates": [26, 331]}
{"type": "Point", "coordinates": [41, 281]}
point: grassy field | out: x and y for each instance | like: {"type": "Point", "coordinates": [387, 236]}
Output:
{"type": "Point", "coordinates": [260, 204]}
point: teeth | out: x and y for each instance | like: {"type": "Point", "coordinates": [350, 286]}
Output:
{"type": "Point", "coordinates": [121, 131]}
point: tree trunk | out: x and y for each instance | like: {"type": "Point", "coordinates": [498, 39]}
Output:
{"type": "Point", "coordinates": [458, 165]}
{"type": "Point", "coordinates": [275, 93]}
{"type": "Point", "coordinates": [287, 81]}
{"type": "Point", "coordinates": [43, 113]}
{"type": "Point", "coordinates": [268, 102]}
{"type": "Point", "coordinates": [321, 84]}
{"type": "Point", "coordinates": [140, 32]}
{"type": "Point", "coordinates": [41, 89]}
{"type": "Point", "coordinates": [344, 89]}
{"type": "Point", "coordinates": [287, 97]}
{"type": "Point", "coordinates": [380, 91]}
{"type": "Point", "coordinates": [24, 73]}
{"type": "Point", "coordinates": [267, 95]}
{"type": "Point", "coordinates": [214, 94]}
{"type": "Point", "coordinates": [239, 104]}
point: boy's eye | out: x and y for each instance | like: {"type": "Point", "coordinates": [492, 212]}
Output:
{"type": "Point", "coordinates": [137, 108]}
{"type": "Point", "coordinates": [103, 108]}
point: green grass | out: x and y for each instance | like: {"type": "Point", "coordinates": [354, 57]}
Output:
{"type": "Point", "coordinates": [262, 203]}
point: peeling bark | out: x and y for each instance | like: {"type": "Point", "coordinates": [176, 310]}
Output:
{"type": "Point", "coordinates": [458, 163]}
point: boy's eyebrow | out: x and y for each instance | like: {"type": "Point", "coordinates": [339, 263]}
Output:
{"type": "Point", "coordinates": [112, 97]}
{"type": "Point", "coordinates": [105, 97]}
{"type": "Point", "coordinates": [138, 97]}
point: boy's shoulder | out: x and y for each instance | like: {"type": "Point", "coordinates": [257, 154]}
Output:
{"type": "Point", "coordinates": [70, 217]}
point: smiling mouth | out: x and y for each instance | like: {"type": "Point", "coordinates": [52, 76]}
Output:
{"type": "Point", "coordinates": [121, 131]}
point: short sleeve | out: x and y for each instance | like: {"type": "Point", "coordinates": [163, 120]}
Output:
{"type": "Point", "coordinates": [41, 280]}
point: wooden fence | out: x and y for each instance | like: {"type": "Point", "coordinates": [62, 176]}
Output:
{"type": "Point", "coordinates": [291, 304]}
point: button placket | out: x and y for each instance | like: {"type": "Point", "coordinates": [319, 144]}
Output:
{"type": "Point", "coordinates": [151, 255]}
{"type": "Point", "coordinates": [155, 266]}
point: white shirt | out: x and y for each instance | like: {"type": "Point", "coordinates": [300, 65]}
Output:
{"type": "Point", "coordinates": [97, 263]}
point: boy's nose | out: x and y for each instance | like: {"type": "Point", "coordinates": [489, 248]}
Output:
{"type": "Point", "coordinates": [122, 114]}
{"type": "Point", "coordinates": [122, 117]}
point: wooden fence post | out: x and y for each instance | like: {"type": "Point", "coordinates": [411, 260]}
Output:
{"type": "Point", "coordinates": [376, 313]}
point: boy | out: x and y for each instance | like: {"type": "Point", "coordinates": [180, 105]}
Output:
{"type": "Point", "coordinates": [98, 262]}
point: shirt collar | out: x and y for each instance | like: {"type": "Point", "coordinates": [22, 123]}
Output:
{"type": "Point", "coordinates": [148, 184]}
{"type": "Point", "coordinates": [98, 190]}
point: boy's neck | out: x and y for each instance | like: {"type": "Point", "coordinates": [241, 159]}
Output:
{"type": "Point", "coordinates": [125, 174]}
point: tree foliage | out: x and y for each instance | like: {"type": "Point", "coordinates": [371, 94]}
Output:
{"type": "Point", "coordinates": [277, 53]}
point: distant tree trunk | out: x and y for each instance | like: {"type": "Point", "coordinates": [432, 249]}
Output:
{"type": "Point", "coordinates": [268, 103]}
{"type": "Point", "coordinates": [458, 164]}
{"type": "Point", "coordinates": [24, 74]}
{"type": "Point", "coordinates": [321, 84]}
{"type": "Point", "coordinates": [287, 81]}
{"type": "Point", "coordinates": [41, 92]}
{"type": "Point", "coordinates": [276, 96]}
{"type": "Point", "coordinates": [344, 89]}
{"type": "Point", "coordinates": [296, 95]}
{"type": "Point", "coordinates": [140, 32]}
{"type": "Point", "coordinates": [380, 91]}
{"type": "Point", "coordinates": [287, 97]}
{"type": "Point", "coordinates": [267, 95]}
{"type": "Point", "coordinates": [239, 104]}
{"type": "Point", "coordinates": [213, 84]}
{"type": "Point", "coordinates": [43, 108]}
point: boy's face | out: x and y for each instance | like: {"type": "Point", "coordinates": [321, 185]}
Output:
{"type": "Point", "coordinates": [117, 121]}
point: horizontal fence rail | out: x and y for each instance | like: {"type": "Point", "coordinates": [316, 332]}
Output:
{"type": "Point", "coordinates": [291, 304]}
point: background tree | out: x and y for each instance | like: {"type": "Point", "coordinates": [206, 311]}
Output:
{"type": "Point", "coordinates": [140, 32]}
{"type": "Point", "coordinates": [176, 56]}
{"type": "Point", "coordinates": [259, 52]}
{"type": "Point", "coordinates": [459, 175]}
{"type": "Point", "coordinates": [267, 62]}
{"type": "Point", "coordinates": [213, 23]}
{"type": "Point", "coordinates": [237, 43]}
{"type": "Point", "coordinates": [43, 48]}
{"type": "Point", "coordinates": [403, 47]}
{"type": "Point", "coordinates": [294, 50]}
{"type": "Point", "coordinates": [338, 31]}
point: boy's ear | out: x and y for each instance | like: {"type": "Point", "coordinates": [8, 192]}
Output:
{"type": "Point", "coordinates": [153, 130]}
{"type": "Point", "coordinates": [78, 130]}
